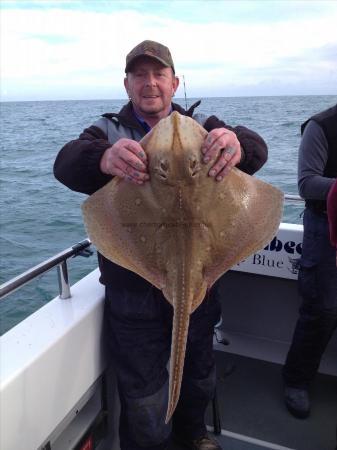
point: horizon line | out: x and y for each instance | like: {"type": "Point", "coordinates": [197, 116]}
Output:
{"type": "Point", "coordinates": [177, 98]}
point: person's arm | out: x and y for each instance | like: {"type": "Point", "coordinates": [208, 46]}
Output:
{"type": "Point", "coordinates": [254, 151]}
{"type": "Point", "coordinates": [89, 162]}
{"type": "Point", "coordinates": [332, 213]}
{"type": "Point", "coordinates": [78, 163]}
{"type": "Point", "coordinates": [312, 159]}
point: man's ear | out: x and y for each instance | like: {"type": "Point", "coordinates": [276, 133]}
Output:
{"type": "Point", "coordinates": [175, 84]}
{"type": "Point", "coordinates": [126, 85]}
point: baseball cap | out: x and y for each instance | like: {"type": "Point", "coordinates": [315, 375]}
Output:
{"type": "Point", "coordinates": [152, 49]}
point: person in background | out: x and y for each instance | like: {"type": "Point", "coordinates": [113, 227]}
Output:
{"type": "Point", "coordinates": [317, 172]}
{"type": "Point", "coordinates": [139, 319]}
{"type": "Point", "coordinates": [332, 217]}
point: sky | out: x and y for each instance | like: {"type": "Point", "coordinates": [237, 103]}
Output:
{"type": "Point", "coordinates": [75, 50]}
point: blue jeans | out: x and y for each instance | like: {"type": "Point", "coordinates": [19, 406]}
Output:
{"type": "Point", "coordinates": [318, 313]}
{"type": "Point", "coordinates": [139, 327]}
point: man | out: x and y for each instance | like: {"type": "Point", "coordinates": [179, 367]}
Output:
{"type": "Point", "coordinates": [139, 318]}
{"type": "Point", "coordinates": [317, 171]}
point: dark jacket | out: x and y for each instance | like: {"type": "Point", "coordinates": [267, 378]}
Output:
{"type": "Point", "coordinates": [327, 120]}
{"type": "Point", "coordinates": [78, 166]}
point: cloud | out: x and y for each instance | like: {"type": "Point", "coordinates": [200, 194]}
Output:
{"type": "Point", "coordinates": [52, 39]}
{"type": "Point", "coordinates": [76, 50]}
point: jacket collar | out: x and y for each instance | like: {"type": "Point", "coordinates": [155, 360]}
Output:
{"type": "Point", "coordinates": [127, 118]}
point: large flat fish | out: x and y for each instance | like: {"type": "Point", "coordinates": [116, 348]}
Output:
{"type": "Point", "coordinates": [181, 230]}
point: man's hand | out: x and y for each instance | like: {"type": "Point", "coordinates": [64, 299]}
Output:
{"type": "Point", "coordinates": [126, 159]}
{"type": "Point", "coordinates": [222, 147]}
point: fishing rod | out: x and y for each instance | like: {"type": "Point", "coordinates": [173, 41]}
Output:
{"type": "Point", "coordinates": [185, 92]}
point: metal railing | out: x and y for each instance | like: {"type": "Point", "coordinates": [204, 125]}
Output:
{"type": "Point", "coordinates": [293, 198]}
{"type": "Point", "coordinates": [59, 261]}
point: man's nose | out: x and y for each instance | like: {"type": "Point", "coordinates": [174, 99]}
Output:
{"type": "Point", "coordinates": [150, 80]}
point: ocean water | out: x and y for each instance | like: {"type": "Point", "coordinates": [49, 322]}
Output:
{"type": "Point", "coordinates": [40, 217]}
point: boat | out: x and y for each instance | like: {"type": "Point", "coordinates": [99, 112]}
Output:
{"type": "Point", "coordinates": [54, 393]}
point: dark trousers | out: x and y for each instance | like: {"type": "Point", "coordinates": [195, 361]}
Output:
{"type": "Point", "coordinates": [318, 313]}
{"type": "Point", "coordinates": [139, 327]}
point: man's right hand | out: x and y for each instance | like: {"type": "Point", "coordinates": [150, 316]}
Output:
{"type": "Point", "coordinates": [126, 159]}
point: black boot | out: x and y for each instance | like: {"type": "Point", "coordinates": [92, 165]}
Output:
{"type": "Point", "coordinates": [297, 401]}
{"type": "Point", "coordinates": [201, 443]}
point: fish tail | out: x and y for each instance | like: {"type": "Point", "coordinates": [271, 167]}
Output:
{"type": "Point", "coordinates": [178, 350]}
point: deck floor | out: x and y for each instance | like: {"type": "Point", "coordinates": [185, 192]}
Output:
{"type": "Point", "coordinates": [251, 406]}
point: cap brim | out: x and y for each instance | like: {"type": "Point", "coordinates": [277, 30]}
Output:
{"type": "Point", "coordinates": [156, 58]}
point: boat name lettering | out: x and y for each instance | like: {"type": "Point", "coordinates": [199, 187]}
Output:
{"type": "Point", "coordinates": [264, 261]}
{"type": "Point", "coordinates": [276, 245]}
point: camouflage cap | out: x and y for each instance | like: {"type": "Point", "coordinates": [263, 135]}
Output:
{"type": "Point", "coordinates": [152, 49]}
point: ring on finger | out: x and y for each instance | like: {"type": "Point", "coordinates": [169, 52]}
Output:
{"type": "Point", "coordinates": [230, 151]}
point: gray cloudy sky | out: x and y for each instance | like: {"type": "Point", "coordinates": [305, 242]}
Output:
{"type": "Point", "coordinates": [76, 49]}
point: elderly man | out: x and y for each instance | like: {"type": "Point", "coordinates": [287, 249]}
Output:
{"type": "Point", "coordinates": [138, 316]}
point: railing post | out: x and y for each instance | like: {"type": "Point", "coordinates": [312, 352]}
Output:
{"type": "Point", "coordinates": [59, 261]}
{"type": "Point", "coordinates": [64, 287]}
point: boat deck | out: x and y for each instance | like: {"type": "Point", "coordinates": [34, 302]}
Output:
{"type": "Point", "coordinates": [253, 414]}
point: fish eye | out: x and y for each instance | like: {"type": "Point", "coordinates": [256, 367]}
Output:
{"type": "Point", "coordinates": [194, 167]}
{"type": "Point", "coordinates": [164, 166]}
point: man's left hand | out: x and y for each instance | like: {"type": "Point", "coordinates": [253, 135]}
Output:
{"type": "Point", "coordinates": [223, 147]}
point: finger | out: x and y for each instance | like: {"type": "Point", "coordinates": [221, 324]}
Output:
{"type": "Point", "coordinates": [137, 150]}
{"type": "Point", "coordinates": [210, 139]}
{"type": "Point", "coordinates": [134, 180]}
{"type": "Point", "coordinates": [212, 152]}
{"type": "Point", "coordinates": [225, 171]}
{"type": "Point", "coordinates": [133, 161]}
{"type": "Point", "coordinates": [233, 155]}
{"type": "Point", "coordinates": [129, 157]}
{"type": "Point", "coordinates": [228, 153]}
{"type": "Point", "coordinates": [130, 172]}
{"type": "Point", "coordinates": [131, 178]}
{"type": "Point", "coordinates": [118, 173]}
{"type": "Point", "coordinates": [214, 144]}
{"type": "Point", "coordinates": [226, 159]}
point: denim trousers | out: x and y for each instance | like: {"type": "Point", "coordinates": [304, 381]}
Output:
{"type": "Point", "coordinates": [318, 312]}
{"type": "Point", "coordinates": [139, 328]}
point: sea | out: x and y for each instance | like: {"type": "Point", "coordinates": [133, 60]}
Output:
{"type": "Point", "coordinates": [40, 217]}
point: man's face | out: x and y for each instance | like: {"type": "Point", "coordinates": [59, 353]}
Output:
{"type": "Point", "coordinates": [150, 85]}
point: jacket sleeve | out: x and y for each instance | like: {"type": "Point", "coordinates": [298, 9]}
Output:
{"type": "Point", "coordinates": [312, 159]}
{"type": "Point", "coordinates": [77, 165]}
{"type": "Point", "coordinates": [255, 151]}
